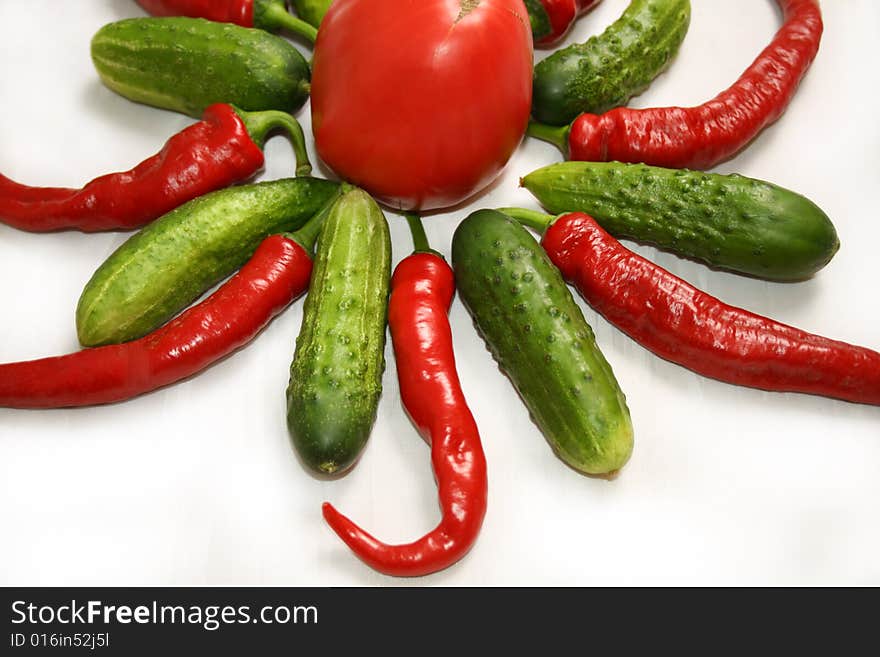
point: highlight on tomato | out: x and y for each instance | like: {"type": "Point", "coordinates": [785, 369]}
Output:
{"type": "Point", "coordinates": [421, 102]}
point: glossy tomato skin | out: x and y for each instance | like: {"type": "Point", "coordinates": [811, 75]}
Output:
{"type": "Point", "coordinates": [417, 101]}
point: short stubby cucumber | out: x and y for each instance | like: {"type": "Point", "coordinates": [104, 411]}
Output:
{"type": "Point", "coordinates": [612, 67]}
{"type": "Point", "coordinates": [167, 265]}
{"type": "Point", "coordinates": [540, 339]}
{"type": "Point", "coordinates": [187, 64]}
{"type": "Point", "coordinates": [726, 221]}
{"type": "Point", "coordinates": [336, 374]}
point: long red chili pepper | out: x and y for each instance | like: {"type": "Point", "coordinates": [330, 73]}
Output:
{"type": "Point", "coordinates": [682, 324]}
{"type": "Point", "coordinates": [562, 15]}
{"type": "Point", "coordinates": [240, 12]}
{"type": "Point", "coordinates": [221, 149]}
{"type": "Point", "coordinates": [269, 15]}
{"type": "Point", "coordinates": [277, 273]}
{"type": "Point", "coordinates": [583, 6]}
{"type": "Point", "coordinates": [701, 137]}
{"type": "Point", "coordinates": [421, 291]}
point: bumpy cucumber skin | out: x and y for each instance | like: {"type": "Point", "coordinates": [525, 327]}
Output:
{"type": "Point", "coordinates": [726, 221]}
{"type": "Point", "coordinates": [336, 374]}
{"type": "Point", "coordinates": [312, 11]}
{"type": "Point", "coordinates": [168, 264]}
{"type": "Point", "coordinates": [612, 67]}
{"type": "Point", "coordinates": [540, 339]}
{"type": "Point", "coordinates": [187, 64]}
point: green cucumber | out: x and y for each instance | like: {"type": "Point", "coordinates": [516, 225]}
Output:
{"type": "Point", "coordinates": [187, 64]}
{"type": "Point", "coordinates": [167, 265]}
{"type": "Point", "coordinates": [336, 374]}
{"type": "Point", "coordinates": [312, 11]}
{"type": "Point", "coordinates": [726, 221]}
{"type": "Point", "coordinates": [612, 67]}
{"type": "Point", "coordinates": [540, 339]}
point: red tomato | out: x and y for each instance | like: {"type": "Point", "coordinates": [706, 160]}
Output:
{"type": "Point", "coordinates": [421, 102]}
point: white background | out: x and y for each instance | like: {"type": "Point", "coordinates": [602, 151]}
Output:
{"type": "Point", "coordinates": [197, 484]}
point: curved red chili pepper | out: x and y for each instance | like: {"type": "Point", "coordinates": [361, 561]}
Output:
{"type": "Point", "coordinates": [240, 12]}
{"type": "Point", "coordinates": [422, 288]}
{"type": "Point", "coordinates": [270, 15]}
{"type": "Point", "coordinates": [701, 137]}
{"type": "Point", "coordinates": [277, 273]}
{"type": "Point", "coordinates": [562, 15]}
{"type": "Point", "coordinates": [221, 149]}
{"type": "Point", "coordinates": [682, 324]}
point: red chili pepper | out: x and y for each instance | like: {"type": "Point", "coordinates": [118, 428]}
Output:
{"type": "Point", "coordinates": [701, 137]}
{"type": "Point", "coordinates": [584, 6]}
{"type": "Point", "coordinates": [682, 324]}
{"type": "Point", "coordinates": [421, 291]}
{"type": "Point", "coordinates": [221, 149]}
{"type": "Point", "coordinates": [269, 15]}
{"type": "Point", "coordinates": [562, 15]}
{"type": "Point", "coordinates": [277, 273]}
{"type": "Point", "coordinates": [240, 12]}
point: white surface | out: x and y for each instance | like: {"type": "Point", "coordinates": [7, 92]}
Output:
{"type": "Point", "coordinates": [197, 483]}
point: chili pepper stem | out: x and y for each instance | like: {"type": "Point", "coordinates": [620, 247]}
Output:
{"type": "Point", "coordinates": [417, 230]}
{"type": "Point", "coordinates": [556, 135]}
{"type": "Point", "coordinates": [307, 235]}
{"type": "Point", "coordinates": [274, 17]}
{"type": "Point", "coordinates": [537, 221]}
{"type": "Point", "coordinates": [260, 124]}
